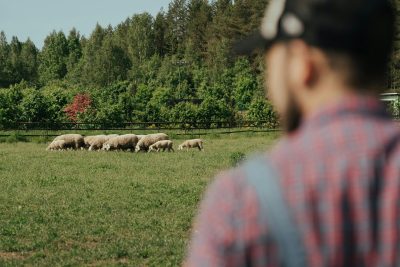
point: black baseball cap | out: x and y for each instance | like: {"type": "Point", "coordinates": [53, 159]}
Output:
{"type": "Point", "coordinates": [354, 26]}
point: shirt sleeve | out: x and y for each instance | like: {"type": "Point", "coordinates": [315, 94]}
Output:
{"type": "Point", "coordinates": [223, 226]}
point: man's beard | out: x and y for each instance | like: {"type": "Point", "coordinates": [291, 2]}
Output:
{"type": "Point", "coordinates": [293, 116]}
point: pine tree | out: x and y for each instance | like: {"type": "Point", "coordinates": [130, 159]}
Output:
{"type": "Point", "coordinates": [199, 17]}
{"type": "Point", "coordinates": [121, 34]}
{"type": "Point", "coordinates": [53, 58]}
{"type": "Point", "coordinates": [159, 33]}
{"type": "Point", "coordinates": [5, 64]}
{"type": "Point", "coordinates": [15, 60]}
{"type": "Point", "coordinates": [104, 62]}
{"type": "Point", "coordinates": [247, 15]}
{"type": "Point", "coordinates": [113, 63]}
{"type": "Point", "coordinates": [176, 21]}
{"type": "Point", "coordinates": [141, 38]}
{"type": "Point", "coordinates": [74, 49]}
{"type": "Point", "coordinates": [29, 61]}
{"type": "Point", "coordinates": [222, 20]}
{"type": "Point", "coordinates": [90, 58]}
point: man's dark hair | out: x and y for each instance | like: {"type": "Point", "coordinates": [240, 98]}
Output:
{"type": "Point", "coordinates": [369, 59]}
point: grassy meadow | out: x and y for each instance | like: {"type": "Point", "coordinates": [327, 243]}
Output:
{"type": "Point", "coordinates": [105, 209]}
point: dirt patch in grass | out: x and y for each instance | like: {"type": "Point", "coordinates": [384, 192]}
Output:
{"type": "Point", "coordinates": [14, 255]}
{"type": "Point", "coordinates": [122, 261]}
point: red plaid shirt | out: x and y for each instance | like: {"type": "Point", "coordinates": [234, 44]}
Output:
{"type": "Point", "coordinates": [340, 175]}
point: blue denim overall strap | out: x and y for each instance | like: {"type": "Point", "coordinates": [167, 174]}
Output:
{"type": "Point", "coordinates": [275, 212]}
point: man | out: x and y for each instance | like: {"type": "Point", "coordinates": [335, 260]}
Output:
{"type": "Point", "coordinates": [328, 194]}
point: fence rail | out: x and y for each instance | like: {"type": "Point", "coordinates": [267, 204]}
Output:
{"type": "Point", "coordinates": [137, 125]}
{"type": "Point", "coordinates": [39, 129]}
{"type": "Point", "coordinates": [32, 129]}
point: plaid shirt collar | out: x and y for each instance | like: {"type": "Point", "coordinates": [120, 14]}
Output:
{"type": "Point", "coordinates": [365, 106]}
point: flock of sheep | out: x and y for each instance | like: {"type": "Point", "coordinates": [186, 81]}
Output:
{"type": "Point", "coordinates": [127, 142]}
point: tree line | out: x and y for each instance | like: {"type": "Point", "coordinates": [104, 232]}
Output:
{"type": "Point", "coordinates": [175, 66]}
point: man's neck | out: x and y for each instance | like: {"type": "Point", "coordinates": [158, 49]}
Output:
{"type": "Point", "coordinates": [327, 95]}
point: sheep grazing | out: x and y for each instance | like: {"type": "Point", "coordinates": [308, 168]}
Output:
{"type": "Point", "coordinates": [140, 136]}
{"type": "Point", "coordinates": [56, 145]}
{"type": "Point", "coordinates": [195, 143]}
{"type": "Point", "coordinates": [164, 145]}
{"type": "Point", "coordinates": [122, 142]}
{"type": "Point", "coordinates": [148, 140]}
{"type": "Point", "coordinates": [74, 141]}
{"type": "Point", "coordinates": [88, 140]}
{"type": "Point", "coordinates": [111, 136]}
{"type": "Point", "coordinates": [97, 142]}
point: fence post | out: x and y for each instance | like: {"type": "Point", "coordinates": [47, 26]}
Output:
{"type": "Point", "coordinates": [46, 131]}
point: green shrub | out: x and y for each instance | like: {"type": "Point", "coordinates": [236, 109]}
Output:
{"type": "Point", "coordinates": [236, 158]}
{"type": "Point", "coordinates": [42, 140]}
{"type": "Point", "coordinates": [395, 109]}
{"type": "Point", "coordinates": [15, 138]}
{"type": "Point", "coordinates": [262, 110]}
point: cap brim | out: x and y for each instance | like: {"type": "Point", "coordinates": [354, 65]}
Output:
{"type": "Point", "coordinates": [251, 44]}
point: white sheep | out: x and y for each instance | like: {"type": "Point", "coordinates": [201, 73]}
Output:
{"type": "Point", "coordinates": [56, 145]}
{"type": "Point", "coordinates": [195, 143]}
{"type": "Point", "coordinates": [140, 136]}
{"type": "Point", "coordinates": [74, 141]}
{"type": "Point", "coordinates": [97, 142]}
{"type": "Point", "coordinates": [88, 140]}
{"type": "Point", "coordinates": [111, 136]}
{"type": "Point", "coordinates": [164, 145]}
{"type": "Point", "coordinates": [123, 142]}
{"type": "Point", "coordinates": [150, 139]}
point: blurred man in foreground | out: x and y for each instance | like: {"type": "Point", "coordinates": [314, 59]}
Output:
{"type": "Point", "coordinates": [328, 193]}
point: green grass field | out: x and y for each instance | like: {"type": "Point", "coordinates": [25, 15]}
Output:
{"type": "Point", "coordinates": [101, 209]}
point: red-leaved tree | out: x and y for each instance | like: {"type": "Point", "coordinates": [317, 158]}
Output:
{"type": "Point", "coordinates": [80, 104]}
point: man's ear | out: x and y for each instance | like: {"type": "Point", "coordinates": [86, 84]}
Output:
{"type": "Point", "coordinates": [302, 67]}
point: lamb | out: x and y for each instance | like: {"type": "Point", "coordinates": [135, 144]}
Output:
{"type": "Point", "coordinates": [74, 141]}
{"type": "Point", "coordinates": [56, 145]}
{"type": "Point", "coordinates": [192, 144]}
{"type": "Point", "coordinates": [165, 144]}
{"type": "Point", "coordinates": [148, 140]}
{"type": "Point", "coordinates": [124, 142]}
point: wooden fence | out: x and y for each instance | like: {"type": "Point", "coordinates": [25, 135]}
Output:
{"type": "Point", "coordinates": [32, 129]}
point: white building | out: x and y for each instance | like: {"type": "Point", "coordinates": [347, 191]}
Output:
{"type": "Point", "coordinates": [390, 97]}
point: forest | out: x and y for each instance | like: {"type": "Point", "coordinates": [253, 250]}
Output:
{"type": "Point", "coordinates": [174, 67]}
